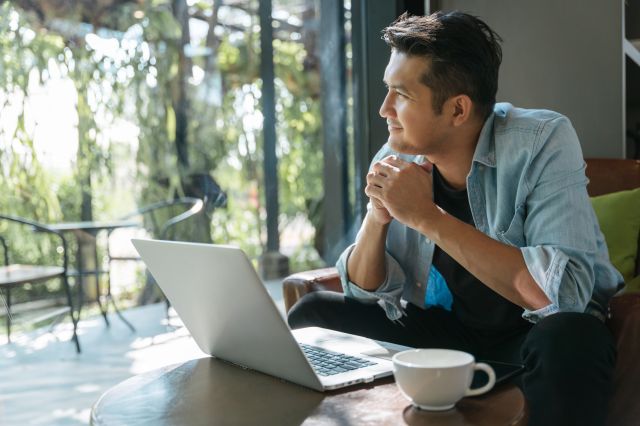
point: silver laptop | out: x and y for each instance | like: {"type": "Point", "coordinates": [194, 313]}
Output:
{"type": "Point", "coordinates": [223, 303]}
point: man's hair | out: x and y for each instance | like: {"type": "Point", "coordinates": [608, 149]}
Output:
{"type": "Point", "coordinates": [463, 54]}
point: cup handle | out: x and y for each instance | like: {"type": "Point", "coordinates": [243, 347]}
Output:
{"type": "Point", "coordinates": [492, 380]}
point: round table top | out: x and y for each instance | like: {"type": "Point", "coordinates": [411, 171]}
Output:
{"type": "Point", "coordinates": [93, 225]}
{"type": "Point", "coordinates": [209, 391]}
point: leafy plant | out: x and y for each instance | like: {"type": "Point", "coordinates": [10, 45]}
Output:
{"type": "Point", "coordinates": [192, 114]}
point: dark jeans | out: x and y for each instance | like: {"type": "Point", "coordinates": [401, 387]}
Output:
{"type": "Point", "coordinates": [569, 357]}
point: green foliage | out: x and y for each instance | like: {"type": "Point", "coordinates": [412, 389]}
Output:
{"type": "Point", "coordinates": [138, 85]}
{"type": "Point", "coordinates": [299, 131]}
{"type": "Point", "coordinates": [24, 185]}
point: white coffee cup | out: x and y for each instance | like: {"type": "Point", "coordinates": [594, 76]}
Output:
{"type": "Point", "coordinates": [435, 379]}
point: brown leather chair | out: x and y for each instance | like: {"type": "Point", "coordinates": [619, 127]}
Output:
{"type": "Point", "coordinates": [606, 176]}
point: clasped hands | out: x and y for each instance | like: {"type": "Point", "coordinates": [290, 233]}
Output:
{"type": "Point", "coordinates": [400, 190]}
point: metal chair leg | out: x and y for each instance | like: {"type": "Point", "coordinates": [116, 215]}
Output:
{"type": "Point", "coordinates": [74, 320]}
{"type": "Point", "coordinates": [113, 302]}
{"type": "Point", "coordinates": [103, 309]}
{"type": "Point", "coordinates": [8, 291]}
{"type": "Point", "coordinates": [117, 311]}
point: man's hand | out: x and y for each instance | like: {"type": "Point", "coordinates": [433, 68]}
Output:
{"type": "Point", "coordinates": [379, 212]}
{"type": "Point", "coordinates": [403, 189]}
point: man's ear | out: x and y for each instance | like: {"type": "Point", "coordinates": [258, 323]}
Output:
{"type": "Point", "coordinates": [461, 109]}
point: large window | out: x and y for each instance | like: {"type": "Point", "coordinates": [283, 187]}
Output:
{"type": "Point", "coordinates": [106, 109]}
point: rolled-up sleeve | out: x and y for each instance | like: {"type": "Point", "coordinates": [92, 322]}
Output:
{"type": "Point", "coordinates": [560, 227]}
{"type": "Point", "coordinates": [547, 266]}
{"type": "Point", "coordinates": [388, 294]}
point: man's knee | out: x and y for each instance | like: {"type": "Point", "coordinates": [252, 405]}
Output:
{"type": "Point", "coordinates": [569, 360]}
{"type": "Point", "coordinates": [570, 336]}
{"type": "Point", "coordinates": [314, 309]}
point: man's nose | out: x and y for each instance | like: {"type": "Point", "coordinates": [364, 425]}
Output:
{"type": "Point", "coordinates": [386, 110]}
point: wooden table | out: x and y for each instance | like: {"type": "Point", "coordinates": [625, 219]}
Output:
{"type": "Point", "coordinates": [208, 391]}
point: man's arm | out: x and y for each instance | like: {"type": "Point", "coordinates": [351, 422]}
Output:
{"type": "Point", "coordinates": [405, 189]}
{"type": "Point", "coordinates": [499, 266]}
{"type": "Point", "coordinates": [366, 264]}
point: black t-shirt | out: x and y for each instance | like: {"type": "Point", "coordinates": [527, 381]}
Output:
{"type": "Point", "coordinates": [474, 304]}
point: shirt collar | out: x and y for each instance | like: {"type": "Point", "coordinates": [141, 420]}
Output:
{"type": "Point", "coordinates": [485, 152]}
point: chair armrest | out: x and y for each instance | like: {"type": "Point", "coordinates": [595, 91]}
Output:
{"type": "Point", "coordinates": [297, 285]}
{"type": "Point", "coordinates": [624, 323]}
{"type": "Point", "coordinates": [5, 251]}
{"type": "Point", "coordinates": [195, 206]}
{"type": "Point", "coordinates": [39, 227]}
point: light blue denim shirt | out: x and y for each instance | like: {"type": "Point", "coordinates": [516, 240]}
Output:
{"type": "Point", "coordinates": [526, 188]}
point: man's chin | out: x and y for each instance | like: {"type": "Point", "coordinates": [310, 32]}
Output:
{"type": "Point", "coordinates": [401, 147]}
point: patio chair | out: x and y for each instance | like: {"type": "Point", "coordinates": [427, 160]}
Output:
{"type": "Point", "coordinates": [14, 275]}
{"type": "Point", "coordinates": [158, 220]}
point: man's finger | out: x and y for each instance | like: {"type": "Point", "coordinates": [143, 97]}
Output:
{"type": "Point", "coordinates": [426, 165]}
{"type": "Point", "coordinates": [394, 161]}
{"type": "Point", "coordinates": [374, 178]}
{"type": "Point", "coordinates": [378, 168]}
{"type": "Point", "coordinates": [373, 191]}
{"type": "Point", "coordinates": [384, 167]}
{"type": "Point", "coordinates": [376, 203]}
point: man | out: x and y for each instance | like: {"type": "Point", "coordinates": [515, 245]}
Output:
{"type": "Point", "coordinates": [479, 234]}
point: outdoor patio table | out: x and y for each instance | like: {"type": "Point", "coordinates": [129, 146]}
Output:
{"type": "Point", "coordinates": [86, 235]}
{"type": "Point", "coordinates": [210, 391]}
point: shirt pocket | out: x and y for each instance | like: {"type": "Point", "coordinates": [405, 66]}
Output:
{"type": "Point", "coordinates": [514, 233]}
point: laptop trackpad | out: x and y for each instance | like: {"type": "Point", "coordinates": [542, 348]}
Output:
{"type": "Point", "coordinates": [348, 343]}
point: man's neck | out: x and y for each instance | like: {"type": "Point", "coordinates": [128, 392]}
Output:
{"type": "Point", "coordinates": [455, 172]}
{"type": "Point", "coordinates": [454, 164]}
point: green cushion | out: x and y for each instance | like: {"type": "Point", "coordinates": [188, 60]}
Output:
{"type": "Point", "coordinates": [619, 217]}
{"type": "Point", "coordinates": [633, 286]}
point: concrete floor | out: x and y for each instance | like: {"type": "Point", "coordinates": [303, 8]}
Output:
{"type": "Point", "coordinates": [44, 382]}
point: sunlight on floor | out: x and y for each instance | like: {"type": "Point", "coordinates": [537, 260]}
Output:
{"type": "Point", "coordinates": [44, 382]}
{"type": "Point", "coordinates": [45, 368]}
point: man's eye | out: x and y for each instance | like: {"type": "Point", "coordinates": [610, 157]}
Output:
{"type": "Point", "coordinates": [402, 95]}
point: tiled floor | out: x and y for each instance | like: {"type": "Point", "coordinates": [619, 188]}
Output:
{"type": "Point", "coordinates": [44, 382]}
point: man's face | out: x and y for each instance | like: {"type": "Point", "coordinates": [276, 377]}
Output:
{"type": "Point", "coordinates": [414, 127]}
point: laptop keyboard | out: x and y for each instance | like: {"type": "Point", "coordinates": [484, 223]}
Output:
{"type": "Point", "coordinates": [328, 363]}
